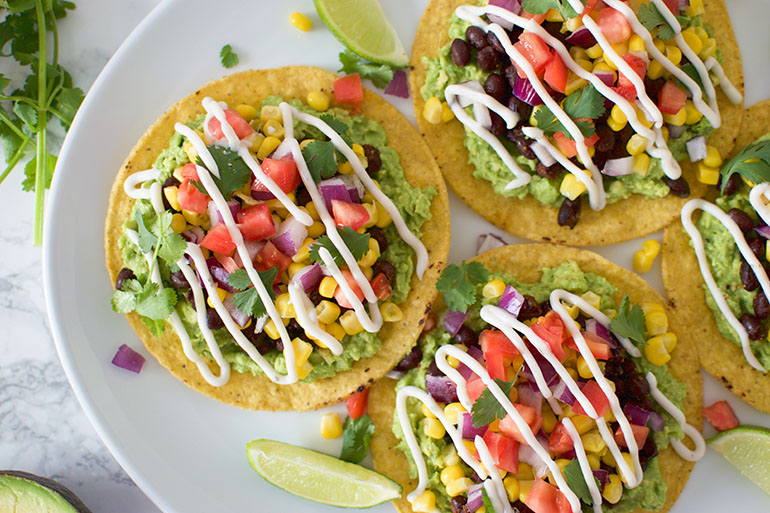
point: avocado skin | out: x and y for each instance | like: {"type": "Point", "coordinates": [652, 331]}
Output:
{"type": "Point", "coordinates": [40, 492]}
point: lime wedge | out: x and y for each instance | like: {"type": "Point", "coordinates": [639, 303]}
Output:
{"type": "Point", "coordinates": [319, 477]}
{"type": "Point", "coordinates": [363, 28]}
{"type": "Point", "coordinates": [747, 448]}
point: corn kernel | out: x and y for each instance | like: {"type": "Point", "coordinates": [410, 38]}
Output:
{"type": "Point", "coordinates": [629, 462]}
{"type": "Point", "coordinates": [178, 223]}
{"type": "Point", "coordinates": [511, 485]}
{"type": "Point", "coordinates": [606, 59]}
{"type": "Point", "coordinates": [222, 295]}
{"type": "Point", "coordinates": [525, 472]}
{"type": "Point", "coordinates": [458, 486]}
{"type": "Point", "coordinates": [549, 421]}
{"type": "Point", "coordinates": [655, 351]}
{"type": "Point", "coordinates": [451, 473]}
{"type": "Point", "coordinates": [572, 372]}
{"type": "Point", "coordinates": [269, 112]}
{"type": "Point", "coordinates": [195, 218]}
{"type": "Point", "coordinates": [446, 112]}
{"type": "Point", "coordinates": [383, 216]}
{"type": "Point", "coordinates": [613, 490]}
{"type": "Point", "coordinates": [303, 254]}
{"type": "Point", "coordinates": [350, 323]}
{"type": "Point", "coordinates": [450, 456]}
{"type": "Point", "coordinates": [271, 330]}
{"type": "Point", "coordinates": [618, 115]}
{"type": "Point", "coordinates": [582, 368]}
{"type": "Point", "coordinates": [674, 54]}
{"type": "Point", "coordinates": [426, 412]}
{"type": "Point", "coordinates": [693, 114]}
{"type": "Point", "coordinates": [643, 261]}
{"type": "Point", "coordinates": [267, 147]}
{"type": "Point", "coordinates": [300, 21]}
{"type": "Point", "coordinates": [273, 128]}
{"type": "Point", "coordinates": [656, 322]}
{"type": "Point", "coordinates": [434, 428]}
{"type": "Point", "coordinates": [636, 44]}
{"type": "Point", "coordinates": [583, 424]}
{"type": "Point", "coordinates": [284, 306]}
{"type": "Point", "coordinates": [331, 427]}
{"type": "Point", "coordinates": [642, 118]}
{"type": "Point", "coordinates": [574, 82]}
{"type": "Point", "coordinates": [595, 51]}
{"type": "Point", "coordinates": [641, 164]}
{"type": "Point", "coordinates": [713, 158]}
{"type": "Point", "coordinates": [327, 287]}
{"type": "Point", "coordinates": [592, 299]}
{"type": "Point", "coordinates": [577, 52]}
{"type": "Point", "coordinates": [615, 126]}
{"type": "Point", "coordinates": [425, 502]}
{"type": "Point", "coordinates": [318, 100]}
{"type": "Point", "coordinates": [553, 15]}
{"type": "Point", "coordinates": [470, 447]}
{"type": "Point", "coordinates": [572, 310]}
{"type": "Point", "coordinates": [335, 330]}
{"type": "Point", "coordinates": [695, 8]}
{"type": "Point", "coordinates": [677, 119]}
{"type": "Point", "coordinates": [327, 312]}
{"type": "Point", "coordinates": [533, 115]}
{"type": "Point", "coordinates": [709, 48]}
{"type": "Point", "coordinates": [655, 70]}
{"type": "Point", "coordinates": [452, 412]}
{"type": "Point", "coordinates": [431, 111]}
{"type": "Point", "coordinates": [171, 196]}
{"type": "Point", "coordinates": [302, 351]}
{"type": "Point", "coordinates": [594, 461]}
{"type": "Point", "coordinates": [693, 41]}
{"type": "Point", "coordinates": [316, 229]}
{"type": "Point", "coordinates": [391, 312]}
{"type": "Point", "coordinates": [571, 187]}
{"type": "Point", "coordinates": [247, 112]}
{"type": "Point", "coordinates": [524, 487]}
{"type": "Point", "coordinates": [636, 145]}
{"type": "Point", "coordinates": [345, 168]}
{"type": "Point", "coordinates": [593, 441]}
{"type": "Point", "coordinates": [493, 288]}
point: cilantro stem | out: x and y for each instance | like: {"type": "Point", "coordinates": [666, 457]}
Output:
{"type": "Point", "coordinates": [15, 159]}
{"type": "Point", "coordinates": [10, 124]}
{"type": "Point", "coordinates": [42, 120]}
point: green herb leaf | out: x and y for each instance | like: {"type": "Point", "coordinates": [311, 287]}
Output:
{"type": "Point", "coordinates": [26, 113]}
{"type": "Point", "coordinates": [583, 103]}
{"type": "Point", "coordinates": [123, 302]}
{"type": "Point", "coordinates": [486, 407]}
{"type": "Point", "coordinates": [146, 239]}
{"type": "Point", "coordinates": [651, 18]}
{"type": "Point", "coordinates": [156, 327]}
{"type": "Point", "coordinates": [576, 482]}
{"type": "Point", "coordinates": [154, 303]}
{"type": "Point", "coordinates": [489, 508]}
{"type": "Point", "coordinates": [752, 163]}
{"type": "Point", "coordinates": [30, 172]}
{"type": "Point", "coordinates": [68, 102]}
{"type": "Point", "coordinates": [356, 435]}
{"type": "Point", "coordinates": [228, 57]}
{"type": "Point", "coordinates": [233, 171]}
{"type": "Point", "coordinates": [457, 284]}
{"type": "Point", "coordinates": [337, 125]}
{"type": "Point", "coordinates": [379, 74]}
{"type": "Point", "coordinates": [542, 6]}
{"type": "Point", "coordinates": [319, 156]}
{"type": "Point", "coordinates": [630, 322]}
{"type": "Point", "coordinates": [248, 300]}
{"type": "Point", "coordinates": [357, 243]}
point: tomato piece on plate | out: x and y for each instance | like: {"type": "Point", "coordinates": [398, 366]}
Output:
{"type": "Point", "coordinates": [240, 126]}
{"type": "Point", "coordinates": [256, 223]}
{"type": "Point", "coordinates": [721, 416]}
{"type": "Point", "coordinates": [537, 18]}
{"type": "Point", "coordinates": [504, 451]}
{"type": "Point", "coordinates": [499, 353]}
{"type": "Point", "coordinates": [546, 498]}
{"type": "Point", "coordinates": [590, 6]}
{"type": "Point", "coordinates": [671, 98]}
{"type": "Point", "coordinates": [599, 348]}
{"type": "Point", "coordinates": [560, 442]}
{"type": "Point", "coordinates": [270, 257]}
{"type": "Point", "coordinates": [556, 73]}
{"type": "Point", "coordinates": [381, 287]}
{"type": "Point", "coordinates": [567, 146]}
{"type": "Point", "coordinates": [553, 331]}
{"type": "Point", "coordinates": [637, 64]}
{"type": "Point", "coordinates": [673, 5]}
{"type": "Point", "coordinates": [282, 171]}
{"type": "Point", "coordinates": [190, 198]}
{"type": "Point", "coordinates": [475, 386]}
{"type": "Point", "coordinates": [627, 92]}
{"type": "Point", "coordinates": [356, 403]}
{"type": "Point", "coordinates": [218, 240]}
{"type": "Point", "coordinates": [640, 435]}
{"type": "Point", "coordinates": [190, 171]}
{"type": "Point", "coordinates": [339, 295]}
{"type": "Point", "coordinates": [614, 25]}
{"type": "Point", "coordinates": [534, 49]}
{"type": "Point", "coordinates": [509, 428]}
{"type": "Point", "coordinates": [349, 214]}
{"type": "Point", "coordinates": [595, 395]}
{"type": "Point", "coordinates": [348, 89]}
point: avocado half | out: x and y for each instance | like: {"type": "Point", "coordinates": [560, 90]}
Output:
{"type": "Point", "coordinates": [22, 492]}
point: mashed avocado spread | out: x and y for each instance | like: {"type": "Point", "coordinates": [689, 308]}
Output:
{"type": "Point", "coordinates": [413, 204]}
{"type": "Point", "coordinates": [649, 495]}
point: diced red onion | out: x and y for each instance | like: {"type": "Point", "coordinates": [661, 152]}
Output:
{"type": "Point", "coordinates": [542, 154]}
{"type": "Point", "coordinates": [239, 317]}
{"type": "Point", "coordinates": [524, 91]}
{"type": "Point", "coordinates": [562, 393]}
{"type": "Point", "coordinates": [219, 274]}
{"type": "Point", "coordinates": [656, 422]}
{"type": "Point", "coordinates": [528, 455]}
{"type": "Point", "coordinates": [228, 263]}
{"type": "Point", "coordinates": [582, 37]}
{"type": "Point", "coordinates": [441, 388]}
{"type": "Point", "coordinates": [608, 77]}
{"type": "Point", "coordinates": [477, 355]}
{"type": "Point", "coordinates": [549, 373]}
{"type": "Point", "coordinates": [262, 195]}
{"type": "Point", "coordinates": [529, 395]}
{"type": "Point", "coordinates": [696, 148]}
{"type": "Point", "coordinates": [466, 427]}
{"type": "Point", "coordinates": [475, 497]}
{"type": "Point", "coordinates": [510, 5]}
{"type": "Point", "coordinates": [596, 328]}
{"type": "Point", "coordinates": [215, 217]}
{"type": "Point", "coordinates": [194, 235]}
{"type": "Point", "coordinates": [127, 358]}
{"type": "Point", "coordinates": [464, 101]}
{"type": "Point", "coordinates": [683, 4]}
{"type": "Point", "coordinates": [290, 236]}
{"type": "Point", "coordinates": [453, 321]}
{"type": "Point", "coordinates": [763, 230]}
{"type": "Point", "coordinates": [569, 455]}
{"type": "Point", "coordinates": [675, 131]}
{"type": "Point", "coordinates": [619, 167]}
{"type": "Point", "coordinates": [511, 301]}
{"type": "Point", "coordinates": [356, 189]}
{"type": "Point", "coordinates": [398, 86]}
{"type": "Point", "coordinates": [310, 277]}
{"type": "Point", "coordinates": [333, 188]}
{"type": "Point", "coordinates": [488, 241]}
{"type": "Point", "coordinates": [253, 247]}
{"type": "Point", "coordinates": [603, 476]}
{"type": "Point", "coordinates": [641, 417]}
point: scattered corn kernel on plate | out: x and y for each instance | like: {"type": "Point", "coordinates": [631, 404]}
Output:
{"type": "Point", "coordinates": [183, 449]}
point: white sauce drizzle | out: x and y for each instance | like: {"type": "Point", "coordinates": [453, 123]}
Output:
{"type": "Point", "coordinates": [758, 197]}
{"type": "Point", "coordinates": [585, 467]}
{"type": "Point", "coordinates": [732, 92]}
{"type": "Point", "coordinates": [665, 403]}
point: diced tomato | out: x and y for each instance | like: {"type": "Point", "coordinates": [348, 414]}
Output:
{"type": "Point", "coordinates": [552, 330]}
{"type": "Point", "coordinates": [720, 415]}
{"type": "Point", "coordinates": [349, 214]}
{"type": "Point", "coordinates": [228, 263]}
{"type": "Point", "coordinates": [270, 257]}
{"type": "Point", "coordinates": [509, 428]}
{"type": "Point", "coordinates": [537, 18]}
{"type": "Point", "coordinates": [499, 353]}
{"type": "Point", "coordinates": [348, 89]}
{"type": "Point", "coordinates": [192, 199]}
{"type": "Point", "coordinates": [671, 98]}
{"type": "Point", "coordinates": [640, 435]}
{"type": "Point", "coordinates": [218, 240]}
{"type": "Point", "coordinates": [599, 348]}
{"type": "Point", "coordinates": [590, 6]}
{"type": "Point", "coordinates": [597, 398]}
{"type": "Point", "coordinates": [637, 64]}
{"type": "Point", "coordinates": [567, 146]}
{"type": "Point", "coordinates": [190, 171]}
{"type": "Point", "coordinates": [546, 498]}
{"type": "Point", "coordinates": [673, 5]}
{"type": "Point", "coordinates": [560, 442]}
{"type": "Point", "coordinates": [556, 73]}
{"type": "Point", "coordinates": [339, 295]}
{"type": "Point", "coordinates": [240, 126]}
{"type": "Point", "coordinates": [381, 287]}
{"type": "Point", "coordinates": [614, 25]}
{"type": "Point", "coordinates": [356, 403]}
{"type": "Point", "coordinates": [504, 451]}
{"type": "Point", "coordinates": [534, 49]}
{"type": "Point", "coordinates": [627, 92]}
{"type": "Point", "coordinates": [475, 386]}
{"type": "Point", "coordinates": [256, 223]}
{"type": "Point", "coordinates": [282, 171]}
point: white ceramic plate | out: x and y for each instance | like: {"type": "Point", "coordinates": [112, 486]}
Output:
{"type": "Point", "coordinates": [187, 452]}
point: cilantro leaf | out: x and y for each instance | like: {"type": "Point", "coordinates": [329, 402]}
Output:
{"type": "Point", "coordinates": [542, 6]}
{"type": "Point", "coordinates": [233, 171]}
{"type": "Point", "coordinates": [486, 407]}
{"type": "Point", "coordinates": [26, 113]}
{"type": "Point", "coordinates": [457, 284]}
{"type": "Point", "coordinates": [228, 57]}
{"type": "Point", "coordinates": [690, 70]}
{"type": "Point", "coordinates": [357, 243]}
{"type": "Point", "coordinates": [68, 102]}
{"type": "Point", "coordinates": [752, 163]}
{"type": "Point", "coordinates": [156, 235]}
{"type": "Point", "coordinates": [550, 124]}
{"type": "Point", "coordinates": [147, 240]}
{"type": "Point", "coordinates": [248, 300]}
{"type": "Point", "coordinates": [630, 322]}
{"type": "Point", "coordinates": [123, 301]}
{"type": "Point", "coordinates": [586, 102]}
{"type": "Point", "coordinates": [651, 18]}
{"type": "Point", "coordinates": [30, 172]}
{"type": "Point", "coordinates": [576, 482]}
{"type": "Point", "coordinates": [156, 327]}
{"type": "Point", "coordinates": [320, 158]}
{"type": "Point", "coordinates": [154, 303]}
{"type": "Point", "coordinates": [356, 435]}
{"type": "Point", "coordinates": [379, 74]}
{"type": "Point", "coordinates": [338, 126]}
{"type": "Point", "coordinates": [489, 508]}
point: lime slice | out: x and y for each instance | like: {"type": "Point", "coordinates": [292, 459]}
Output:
{"type": "Point", "coordinates": [747, 448]}
{"type": "Point", "coordinates": [362, 27]}
{"type": "Point", "coordinates": [319, 477]}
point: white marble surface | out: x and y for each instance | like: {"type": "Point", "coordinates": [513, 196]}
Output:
{"type": "Point", "coordinates": [42, 427]}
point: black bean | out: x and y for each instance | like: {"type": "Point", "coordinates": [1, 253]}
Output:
{"type": "Point", "coordinates": [511, 75]}
{"type": "Point", "coordinates": [373, 160]}
{"type": "Point", "coordinates": [260, 339]}
{"type": "Point", "coordinates": [549, 172]}
{"type": "Point", "coordinates": [410, 360]}
{"type": "Point", "coordinates": [741, 218]}
{"type": "Point", "coordinates": [606, 138]}
{"type": "Point", "coordinates": [378, 234]}
{"type": "Point", "coordinates": [495, 87]}
{"type": "Point", "coordinates": [213, 320]}
{"type": "Point", "coordinates": [178, 280]}
{"type": "Point", "coordinates": [679, 187]}
{"type": "Point", "coordinates": [522, 109]}
{"type": "Point", "coordinates": [761, 305]}
{"type": "Point", "coordinates": [733, 184]}
{"type": "Point", "coordinates": [303, 196]}
{"type": "Point", "coordinates": [487, 59]}
{"type": "Point", "coordinates": [294, 329]}
{"type": "Point", "coordinates": [476, 37]}
{"type": "Point", "coordinates": [515, 135]}
{"type": "Point", "coordinates": [653, 87]}
{"type": "Point", "coordinates": [569, 212]}
{"type": "Point", "coordinates": [621, 140]}
{"type": "Point", "coordinates": [466, 336]}
{"type": "Point", "coordinates": [386, 268]}
{"type": "Point", "coordinates": [758, 248]}
{"type": "Point", "coordinates": [433, 369]}
{"type": "Point", "coordinates": [748, 278]}
{"type": "Point", "coordinates": [494, 42]}
{"type": "Point", "coordinates": [529, 309]}
{"type": "Point", "coordinates": [600, 158]}
{"type": "Point", "coordinates": [171, 182]}
{"type": "Point", "coordinates": [458, 504]}
{"type": "Point", "coordinates": [316, 297]}
{"type": "Point", "coordinates": [123, 275]}
{"type": "Point", "coordinates": [498, 125]}
{"type": "Point", "coordinates": [189, 296]}
{"type": "Point", "coordinates": [753, 327]}
{"type": "Point", "coordinates": [460, 52]}
{"type": "Point", "coordinates": [278, 345]}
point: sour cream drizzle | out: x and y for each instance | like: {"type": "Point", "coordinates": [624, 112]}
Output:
{"type": "Point", "coordinates": [694, 435]}
{"type": "Point", "coordinates": [705, 270]}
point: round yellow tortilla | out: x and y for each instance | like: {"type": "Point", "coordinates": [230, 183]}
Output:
{"type": "Point", "coordinates": [527, 217]}
{"type": "Point", "coordinates": [524, 263]}
{"type": "Point", "coordinates": [257, 392]}
{"type": "Point", "coordinates": [721, 358]}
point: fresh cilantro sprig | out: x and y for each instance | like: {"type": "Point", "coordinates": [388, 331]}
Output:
{"type": "Point", "coordinates": [357, 243]}
{"type": "Point", "coordinates": [320, 158]}
{"type": "Point", "coordinates": [576, 482]}
{"type": "Point", "coordinates": [47, 93]}
{"type": "Point", "coordinates": [228, 57]}
{"type": "Point", "coordinates": [379, 74]}
{"type": "Point", "coordinates": [486, 408]}
{"type": "Point", "coordinates": [356, 434]}
{"type": "Point", "coordinates": [156, 236]}
{"type": "Point", "coordinates": [233, 171]}
{"type": "Point", "coordinates": [457, 284]}
{"type": "Point", "coordinates": [583, 103]}
{"type": "Point", "coordinates": [542, 6]}
{"type": "Point", "coordinates": [147, 300]}
{"type": "Point", "coordinates": [630, 322]}
{"type": "Point", "coordinates": [752, 163]}
{"type": "Point", "coordinates": [248, 300]}
{"type": "Point", "coordinates": [486, 501]}
{"type": "Point", "coordinates": [651, 18]}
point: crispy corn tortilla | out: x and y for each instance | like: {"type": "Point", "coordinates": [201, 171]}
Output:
{"type": "Point", "coordinates": [527, 217]}
{"type": "Point", "coordinates": [257, 392]}
{"type": "Point", "coordinates": [721, 358]}
{"type": "Point", "coordinates": [524, 262]}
